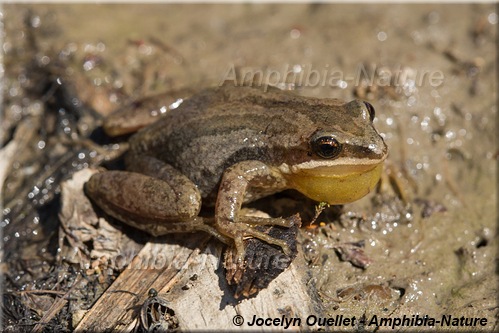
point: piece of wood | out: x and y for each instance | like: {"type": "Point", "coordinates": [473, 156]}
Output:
{"type": "Point", "coordinates": [22, 137]}
{"type": "Point", "coordinates": [187, 272]}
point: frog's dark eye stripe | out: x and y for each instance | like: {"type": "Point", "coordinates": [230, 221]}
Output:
{"type": "Point", "coordinates": [371, 111]}
{"type": "Point", "coordinates": [326, 147]}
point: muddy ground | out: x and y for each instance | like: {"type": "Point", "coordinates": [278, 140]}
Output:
{"type": "Point", "coordinates": [429, 233]}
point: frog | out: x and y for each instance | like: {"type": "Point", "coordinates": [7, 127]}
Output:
{"type": "Point", "coordinates": [228, 145]}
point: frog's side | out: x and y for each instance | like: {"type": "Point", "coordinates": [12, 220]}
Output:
{"type": "Point", "coordinates": [230, 145]}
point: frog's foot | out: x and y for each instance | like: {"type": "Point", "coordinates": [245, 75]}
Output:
{"type": "Point", "coordinates": [245, 228]}
{"type": "Point", "coordinates": [213, 232]}
{"type": "Point", "coordinates": [278, 221]}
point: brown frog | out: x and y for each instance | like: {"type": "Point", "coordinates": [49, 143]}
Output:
{"type": "Point", "coordinates": [229, 145]}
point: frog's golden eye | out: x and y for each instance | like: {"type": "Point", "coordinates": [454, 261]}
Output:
{"type": "Point", "coordinates": [371, 111]}
{"type": "Point", "coordinates": [326, 147]}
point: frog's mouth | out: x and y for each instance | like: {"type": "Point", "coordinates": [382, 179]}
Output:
{"type": "Point", "coordinates": [335, 183]}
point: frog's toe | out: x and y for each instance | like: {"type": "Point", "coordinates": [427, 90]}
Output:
{"type": "Point", "coordinates": [248, 230]}
{"type": "Point", "coordinates": [277, 221]}
{"type": "Point", "coordinates": [240, 250]}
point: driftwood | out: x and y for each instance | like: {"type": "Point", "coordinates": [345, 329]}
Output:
{"type": "Point", "coordinates": [187, 272]}
{"type": "Point", "coordinates": [193, 283]}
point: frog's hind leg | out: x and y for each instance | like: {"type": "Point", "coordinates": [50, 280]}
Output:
{"type": "Point", "coordinates": [180, 185]}
{"type": "Point", "coordinates": [161, 201]}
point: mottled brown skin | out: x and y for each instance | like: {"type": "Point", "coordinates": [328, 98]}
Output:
{"type": "Point", "coordinates": [228, 145]}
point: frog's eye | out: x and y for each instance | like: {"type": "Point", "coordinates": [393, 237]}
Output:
{"type": "Point", "coordinates": [371, 111]}
{"type": "Point", "coordinates": [326, 147]}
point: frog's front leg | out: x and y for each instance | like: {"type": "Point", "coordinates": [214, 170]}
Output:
{"type": "Point", "coordinates": [158, 200]}
{"type": "Point", "coordinates": [237, 183]}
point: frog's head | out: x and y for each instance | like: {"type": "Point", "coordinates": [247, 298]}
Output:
{"type": "Point", "coordinates": [344, 155]}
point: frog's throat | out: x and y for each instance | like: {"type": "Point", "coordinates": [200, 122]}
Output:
{"type": "Point", "coordinates": [334, 184]}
